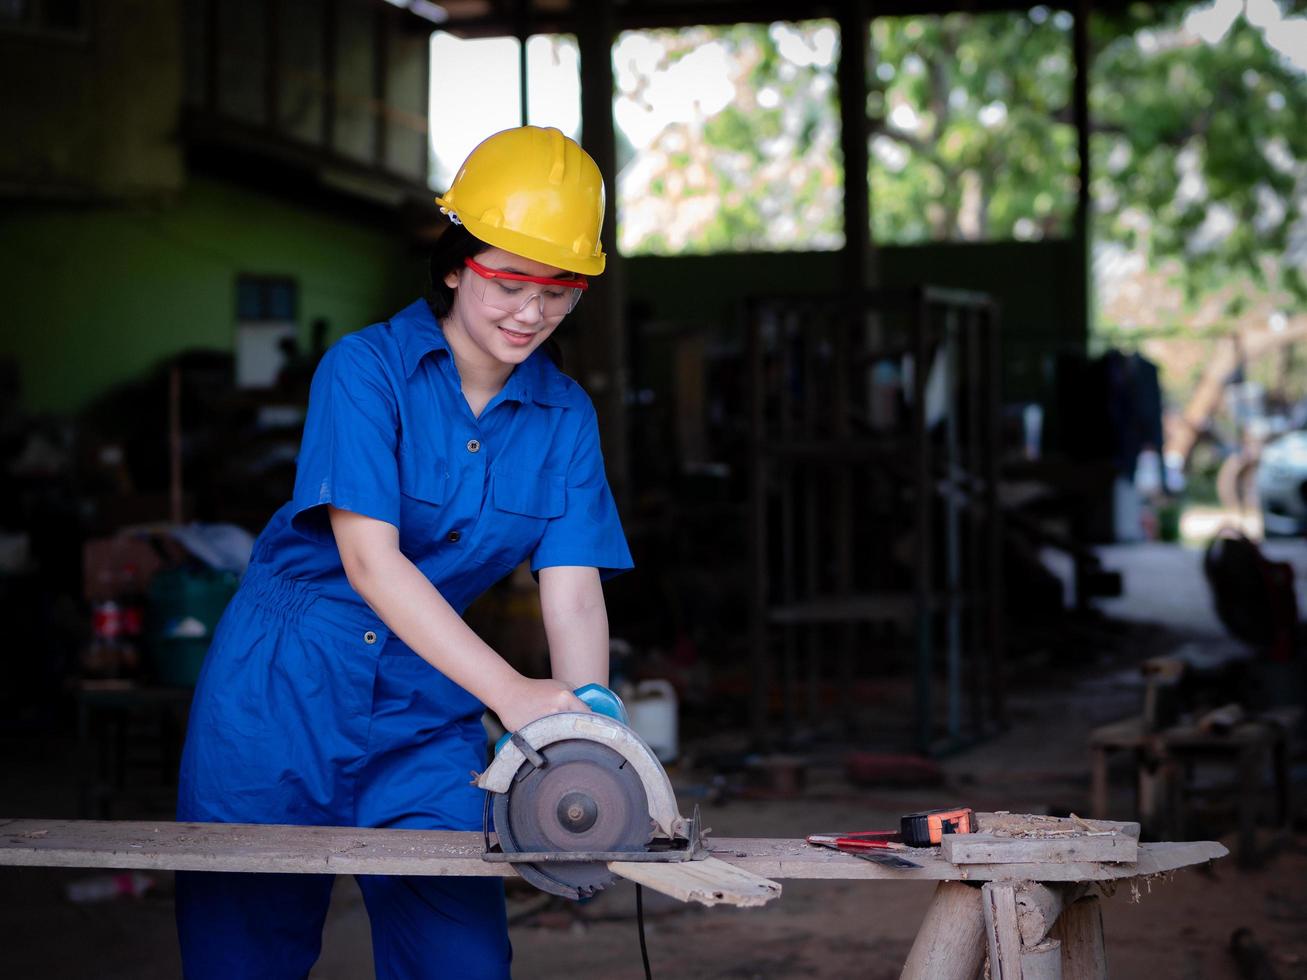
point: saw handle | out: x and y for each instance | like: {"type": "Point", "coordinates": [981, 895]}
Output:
{"type": "Point", "coordinates": [597, 698]}
{"type": "Point", "coordinates": [603, 701]}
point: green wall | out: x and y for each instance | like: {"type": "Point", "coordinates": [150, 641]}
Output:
{"type": "Point", "coordinates": [1036, 285]}
{"type": "Point", "coordinates": [96, 296]}
{"type": "Point", "coordinates": [1039, 289]}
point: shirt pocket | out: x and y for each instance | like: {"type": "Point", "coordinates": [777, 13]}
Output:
{"type": "Point", "coordinates": [424, 488]}
{"type": "Point", "coordinates": [521, 504]}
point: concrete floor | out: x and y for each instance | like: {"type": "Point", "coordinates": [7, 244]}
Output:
{"type": "Point", "coordinates": [817, 929]}
{"type": "Point", "coordinates": [1164, 584]}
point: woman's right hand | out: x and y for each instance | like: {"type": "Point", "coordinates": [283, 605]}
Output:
{"type": "Point", "coordinates": [532, 698]}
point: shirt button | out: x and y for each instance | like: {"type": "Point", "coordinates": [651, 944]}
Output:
{"type": "Point", "coordinates": [369, 637]}
{"type": "Point", "coordinates": [454, 537]}
{"type": "Point", "coordinates": [474, 445]}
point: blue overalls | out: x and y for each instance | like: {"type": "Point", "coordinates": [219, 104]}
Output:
{"type": "Point", "coordinates": [308, 710]}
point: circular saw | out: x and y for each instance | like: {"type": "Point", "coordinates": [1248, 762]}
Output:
{"type": "Point", "coordinates": [573, 791]}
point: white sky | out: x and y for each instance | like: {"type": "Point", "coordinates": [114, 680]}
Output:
{"type": "Point", "coordinates": [475, 93]}
{"type": "Point", "coordinates": [474, 86]}
{"type": "Point", "coordinates": [1286, 35]}
{"type": "Point", "coordinates": [698, 85]}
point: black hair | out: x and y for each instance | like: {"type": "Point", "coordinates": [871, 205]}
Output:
{"type": "Point", "coordinates": [454, 245]}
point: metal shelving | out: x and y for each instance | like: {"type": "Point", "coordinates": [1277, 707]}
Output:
{"type": "Point", "coordinates": [874, 463]}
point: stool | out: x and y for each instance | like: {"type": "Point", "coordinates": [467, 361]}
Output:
{"type": "Point", "coordinates": [1163, 760]}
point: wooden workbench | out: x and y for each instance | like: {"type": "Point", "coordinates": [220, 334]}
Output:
{"type": "Point", "coordinates": [165, 846]}
{"type": "Point", "coordinates": [1010, 910]}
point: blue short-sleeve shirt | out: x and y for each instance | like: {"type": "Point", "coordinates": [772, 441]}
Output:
{"type": "Point", "coordinates": [389, 435]}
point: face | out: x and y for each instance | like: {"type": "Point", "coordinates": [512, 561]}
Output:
{"type": "Point", "coordinates": [497, 336]}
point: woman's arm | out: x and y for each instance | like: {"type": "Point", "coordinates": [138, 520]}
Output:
{"type": "Point", "coordinates": [419, 615]}
{"type": "Point", "coordinates": [576, 624]}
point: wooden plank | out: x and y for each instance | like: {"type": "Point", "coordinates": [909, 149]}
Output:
{"type": "Point", "coordinates": [988, 849]}
{"type": "Point", "coordinates": [950, 945]}
{"type": "Point", "coordinates": [780, 859]}
{"type": "Point", "coordinates": [708, 882]}
{"type": "Point", "coordinates": [998, 902]}
{"type": "Point", "coordinates": [170, 846]}
{"type": "Point", "coordinates": [353, 850]}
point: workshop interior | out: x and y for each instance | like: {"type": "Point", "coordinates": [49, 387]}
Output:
{"type": "Point", "coordinates": [950, 367]}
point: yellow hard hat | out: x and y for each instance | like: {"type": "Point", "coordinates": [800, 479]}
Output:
{"type": "Point", "coordinates": [535, 193]}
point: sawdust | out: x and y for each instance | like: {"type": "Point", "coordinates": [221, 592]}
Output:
{"type": "Point", "coordinates": [1036, 826]}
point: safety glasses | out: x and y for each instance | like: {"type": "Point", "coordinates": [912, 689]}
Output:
{"type": "Point", "coordinates": [512, 292]}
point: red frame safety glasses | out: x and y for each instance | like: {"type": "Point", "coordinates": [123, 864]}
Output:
{"type": "Point", "coordinates": [509, 292]}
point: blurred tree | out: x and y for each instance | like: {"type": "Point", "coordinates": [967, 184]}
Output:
{"type": "Point", "coordinates": [1200, 152]}
{"type": "Point", "coordinates": [733, 139]}
{"type": "Point", "coordinates": [970, 133]}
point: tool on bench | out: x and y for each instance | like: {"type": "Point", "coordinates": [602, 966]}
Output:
{"type": "Point", "coordinates": [925, 828]}
{"type": "Point", "coordinates": [871, 845]}
{"type": "Point", "coordinates": [575, 790]}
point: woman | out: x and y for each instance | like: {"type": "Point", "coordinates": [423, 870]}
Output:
{"type": "Point", "coordinates": [441, 449]}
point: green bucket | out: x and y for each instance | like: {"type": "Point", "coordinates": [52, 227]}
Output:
{"type": "Point", "coordinates": [185, 606]}
{"type": "Point", "coordinates": [1168, 520]}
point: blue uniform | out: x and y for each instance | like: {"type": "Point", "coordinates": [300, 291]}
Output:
{"type": "Point", "coordinates": [308, 710]}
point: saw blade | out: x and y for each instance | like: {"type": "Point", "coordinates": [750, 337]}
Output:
{"type": "Point", "coordinates": [585, 798]}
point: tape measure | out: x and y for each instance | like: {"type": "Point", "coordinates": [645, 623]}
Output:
{"type": "Point", "coordinates": [927, 828]}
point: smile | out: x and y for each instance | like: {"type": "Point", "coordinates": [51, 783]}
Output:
{"type": "Point", "coordinates": [518, 337]}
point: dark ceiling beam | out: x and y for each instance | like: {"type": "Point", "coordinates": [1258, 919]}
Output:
{"type": "Point", "coordinates": [212, 135]}
{"type": "Point", "coordinates": [679, 13]}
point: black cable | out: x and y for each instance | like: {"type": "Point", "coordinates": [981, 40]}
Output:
{"type": "Point", "coordinates": [639, 918]}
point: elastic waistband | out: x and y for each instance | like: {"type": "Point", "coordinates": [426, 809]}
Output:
{"type": "Point", "coordinates": [299, 600]}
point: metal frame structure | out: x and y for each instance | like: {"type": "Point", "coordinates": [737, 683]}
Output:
{"type": "Point", "coordinates": [842, 464]}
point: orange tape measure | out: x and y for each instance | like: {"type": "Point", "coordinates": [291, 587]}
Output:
{"type": "Point", "coordinates": [927, 828]}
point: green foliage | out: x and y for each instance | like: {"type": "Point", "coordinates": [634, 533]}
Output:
{"type": "Point", "coordinates": [966, 137]}
{"type": "Point", "coordinates": [735, 132]}
{"type": "Point", "coordinates": [1216, 148]}
{"type": "Point", "coordinates": [1199, 148]}
{"type": "Point", "coordinates": [759, 170]}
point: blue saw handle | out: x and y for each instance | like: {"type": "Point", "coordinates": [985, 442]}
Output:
{"type": "Point", "coordinates": [598, 699]}
{"type": "Point", "coordinates": [602, 701]}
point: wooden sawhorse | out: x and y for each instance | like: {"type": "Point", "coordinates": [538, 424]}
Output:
{"type": "Point", "coordinates": [1028, 930]}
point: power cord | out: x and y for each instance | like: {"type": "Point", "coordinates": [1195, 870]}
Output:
{"type": "Point", "coordinates": [639, 918]}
